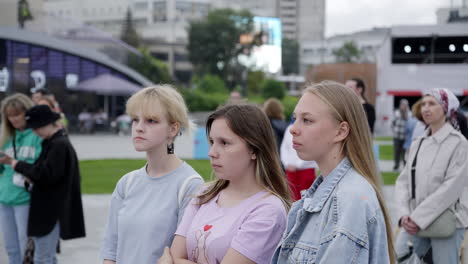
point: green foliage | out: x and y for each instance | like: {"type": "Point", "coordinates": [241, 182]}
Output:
{"type": "Point", "coordinates": [348, 53]}
{"type": "Point", "coordinates": [289, 103]}
{"type": "Point", "coordinates": [213, 43]}
{"type": "Point", "coordinates": [197, 100]}
{"type": "Point", "coordinates": [129, 34]}
{"type": "Point", "coordinates": [210, 84]}
{"type": "Point", "coordinates": [273, 88]}
{"type": "Point", "coordinates": [150, 67]}
{"type": "Point", "coordinates": [290, 56]}
{"type": "Point", "coordinates": [255, 80]}
{"type": "Point", "coordinates": [101, 176]}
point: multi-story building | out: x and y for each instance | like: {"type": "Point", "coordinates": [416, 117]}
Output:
{"type": "Point", "coordinates": [162, 24]}
{"type": "Point", "coordinates": [321, 51]}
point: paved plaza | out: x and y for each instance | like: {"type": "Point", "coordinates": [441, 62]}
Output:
{"type": "Point", "coordinates": [86, 250]}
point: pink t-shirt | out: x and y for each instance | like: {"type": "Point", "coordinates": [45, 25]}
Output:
{"type": "Point", "coordinates": [253, 228]}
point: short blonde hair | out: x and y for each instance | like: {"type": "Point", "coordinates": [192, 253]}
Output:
{"type": "Point", "coordinates": [166, 96]}
{"type": "Point", "coordinates": [274, 108]}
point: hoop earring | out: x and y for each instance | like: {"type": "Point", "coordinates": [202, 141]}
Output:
{"type": "Point", "coordinates": [170, 148]}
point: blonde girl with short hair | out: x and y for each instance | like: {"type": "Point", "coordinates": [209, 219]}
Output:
{"type": "Point", "coordinates": [148, 203]}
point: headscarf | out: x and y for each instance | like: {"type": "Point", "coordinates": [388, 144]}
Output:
{"type": "Point", "coordinates": [449, 103]}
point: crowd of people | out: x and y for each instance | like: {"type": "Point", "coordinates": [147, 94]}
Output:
{"type": "Point", "coordinates": [40, 195]}
{"type": "Point", "coordinates": [267, 203]}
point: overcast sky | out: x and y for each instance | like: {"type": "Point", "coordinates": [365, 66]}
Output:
{"type": "Point", "coordinates": [346, 16]}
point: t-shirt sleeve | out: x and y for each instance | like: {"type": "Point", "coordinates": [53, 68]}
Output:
{"type": "Point", "coordinates": [189, 213]}
{"type": "Point", "coordinates": [191, 191]}
{"type": "Point", "coordinates": [109, 243]}
{"type": "Point", "coordinates": [260, 233]}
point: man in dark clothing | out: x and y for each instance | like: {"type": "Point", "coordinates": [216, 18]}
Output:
{"type": "Point", "coordinates": [358, 86]}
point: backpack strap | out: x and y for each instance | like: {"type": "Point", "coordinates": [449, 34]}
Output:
{"type": "Point", "coordinates": [184, 186]}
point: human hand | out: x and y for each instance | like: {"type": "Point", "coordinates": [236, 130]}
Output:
{"type": "Point", "coordinates": [5, 159]}
{"type": "Point", "coordinates": [166, 258]}
{"type": "Point", "coordinates": [409, 225]}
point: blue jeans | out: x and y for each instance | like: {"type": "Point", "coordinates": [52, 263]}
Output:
{"type": "Point", "coordinates": [45, 247]}
{"type": "Point", "coordinates": [444, 250]}
{"type": "Point", "coordinates": [14, 225]}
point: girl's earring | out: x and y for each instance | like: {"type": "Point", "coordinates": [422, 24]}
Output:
{"type": "Point", "coordinates": [170, 148]}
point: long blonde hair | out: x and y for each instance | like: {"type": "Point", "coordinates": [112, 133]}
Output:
{"type": "Point", "coordinates": [345, 107]}
{"type": "Point", "coordinates": [251, 124]}
{"type": "Point", "coordinates": [20, 103]}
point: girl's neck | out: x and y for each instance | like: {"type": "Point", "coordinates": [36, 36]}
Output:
{"type": "Point", "coordinates": [330, 162]}
{"type": "Point", "coordinates": [244, 187]}
{"type": "Point", "coordinates": [160, 164]}
{"type": "Point", "coordinates": [52, 130]}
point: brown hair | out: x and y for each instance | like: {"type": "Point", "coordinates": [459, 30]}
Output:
{"type": "Point", "coordinates": [20, 103]}
{"type": "Point", "coordinates": [274, 108]}
{"type": "Point", "coordinates": [416, 109]}
{"type": "Point", "coordinates": [345, 106]}
{"type": "Point", "coordinates": [252, 125]}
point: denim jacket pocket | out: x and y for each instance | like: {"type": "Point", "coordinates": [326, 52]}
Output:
{"type": "Point", "coordinates": [303, 253]}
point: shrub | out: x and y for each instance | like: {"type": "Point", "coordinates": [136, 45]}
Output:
{"type": "Point", "coordinates": [273, 88]}
{"type": "Point", "coordinates": [210, 84]}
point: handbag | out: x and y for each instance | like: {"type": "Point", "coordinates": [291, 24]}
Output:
{"type": "Point", "coordinates": [445, 224]}
{"type": "Point", "coordinates": [29, 252]}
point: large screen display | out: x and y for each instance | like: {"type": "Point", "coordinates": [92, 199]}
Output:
{"type": "Point", "coordinates": [266, 55]}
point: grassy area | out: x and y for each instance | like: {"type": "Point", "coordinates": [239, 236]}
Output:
{"type": "Point", "coordinates": [101, 176]}
{"type": "Point", "coordinates": [389, 178]}
{"type": "Point", "coordinates": [383, 138]}
{"type": "Point", "coordinates": [386, 152]}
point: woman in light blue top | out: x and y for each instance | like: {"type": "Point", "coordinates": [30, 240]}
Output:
{"type": "Point", "coordinates": [147, 204]}
{"type": "Point", "coordinates": [341, 218]}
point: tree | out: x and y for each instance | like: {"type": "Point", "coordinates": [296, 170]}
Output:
{"type": "Point", "coordinates": [290, 56]}
{"type": "Point", "coordinates": [273, 88]}
{"type": "Point", "coordinates": [150, 67]}
{"type": "Point", "coordinates": [24, 14]}
{"type": "Point", "coordinates": [254, 82]}
{"type": "Point", "coordinates": [129, 34]}
{"type": "Point", "coordinates": [348, 53]}
{"type": "Point", "coordinates": [213, 43]}
{"type": "Point", "coordinates": [210, 84]}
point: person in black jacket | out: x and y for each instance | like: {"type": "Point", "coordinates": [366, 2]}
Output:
{"type": "Point", "coordinates": [54, 181]}
{"type": "Point", "coordinates": [358, 86]}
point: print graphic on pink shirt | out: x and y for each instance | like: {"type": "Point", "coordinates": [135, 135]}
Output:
{"type": "Point", "coordinates": [199, 252]}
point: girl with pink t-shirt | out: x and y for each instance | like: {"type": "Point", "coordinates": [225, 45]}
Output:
{"type": "Point", "coordinates": [240, 217]}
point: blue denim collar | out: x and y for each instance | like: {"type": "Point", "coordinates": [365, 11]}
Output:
{"type": "Point", "coordinates": [320, 191]}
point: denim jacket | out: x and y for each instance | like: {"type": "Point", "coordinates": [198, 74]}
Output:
{"type": "Point", "coordinates": [338, 220]}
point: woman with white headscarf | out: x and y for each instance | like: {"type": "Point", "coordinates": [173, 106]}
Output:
{"type": "Point", "coordinates": [430, 207]}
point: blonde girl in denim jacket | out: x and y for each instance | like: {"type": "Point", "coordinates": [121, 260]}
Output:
{"type": "Point", "coordinates": [341, 218]}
